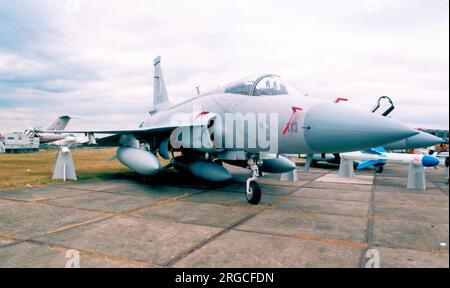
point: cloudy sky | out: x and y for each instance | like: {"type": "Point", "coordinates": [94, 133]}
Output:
{"type": "Point", "coordinates": [92, 59]}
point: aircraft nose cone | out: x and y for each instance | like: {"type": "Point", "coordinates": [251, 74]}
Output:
{"type": "Point", "coordinates": [430, 161]}
{"type": "Point", "coordinates": [334, 128]}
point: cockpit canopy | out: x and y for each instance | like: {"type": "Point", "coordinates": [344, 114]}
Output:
{"type": "Point", "coordinates": [266, 85]}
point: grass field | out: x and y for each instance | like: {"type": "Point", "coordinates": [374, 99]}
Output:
{"type": "Point", "coordinates": [19, 170]}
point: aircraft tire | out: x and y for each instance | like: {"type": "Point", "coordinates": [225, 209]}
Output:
{"type": "Point", "coordinates": [254, 195]}
{"type": "Point", "coordinates": [379, 169]}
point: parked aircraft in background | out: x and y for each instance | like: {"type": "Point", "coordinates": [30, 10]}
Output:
{"type": "Point", "coordinates": [378, 157]}
{"type": "Point", "coordinates": [58, 125]}
{"type": "Point", "coordinates": [421, 140]}
{"type": "Point", "coordinates": [268, 118]}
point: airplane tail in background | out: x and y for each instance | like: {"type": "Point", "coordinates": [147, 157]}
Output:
{"type": "Point", "coordinates": [160, 96]}
{"type": "Point", "coordinates": [60, 123]}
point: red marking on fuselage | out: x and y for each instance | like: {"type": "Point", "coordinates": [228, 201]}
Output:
{"type": "Point", "coordinates": [201, 114]}
{"type": "Point", "coordinates": [340, 99]}
{"type": "Point", "coordinates": [294, 110]}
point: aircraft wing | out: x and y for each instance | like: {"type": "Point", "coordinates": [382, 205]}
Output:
{"type": "Point", "coordinates": [108, 141]}
{"type": "Point", "coordinates": [166, 126]}
{"type": "Point", "coordinates": [114, 135]}
{"type": "Point", "coordinates": [116, 132]}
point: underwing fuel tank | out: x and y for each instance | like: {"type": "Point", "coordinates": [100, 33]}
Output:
{"type": "Point", "coordinates": [278, 164]}
{"type": "Point", "coordinates": [141, 161]}
{"type": "Point", "coordinates": [271, 164]}
{"type": "Point", "coordinates": [201, 168]}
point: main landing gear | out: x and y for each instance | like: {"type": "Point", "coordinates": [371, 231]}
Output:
{"type": "Point", "coordinates": [379, 169]}
{"type": "Point", "coordinates": [253, 191]}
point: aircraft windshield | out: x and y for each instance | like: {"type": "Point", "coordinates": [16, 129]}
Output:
{"type": "Point", "coordinates": [240, 87]}
{"type": "Point", "coordinates": [267, 85]}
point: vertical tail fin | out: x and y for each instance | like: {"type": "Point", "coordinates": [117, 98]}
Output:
{"type": "Point", "coordinates": [60, 123]}
{"type": "Point", "coordinates": [160, 96]}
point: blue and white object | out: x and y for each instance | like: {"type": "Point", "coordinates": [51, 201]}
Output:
{"type": "Point", "coordinates": [378, 156]}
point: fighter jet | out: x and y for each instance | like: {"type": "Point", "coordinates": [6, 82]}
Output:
{"type": "Point", "coordinates": [251, 123]}
{"type": "Point", "coordinates": [58, 125]}
{"type": "Point", "coordinates": [421, 140]}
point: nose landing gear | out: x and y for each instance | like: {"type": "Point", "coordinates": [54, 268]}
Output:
{"type": "Point", "coordinates": [253, 191]}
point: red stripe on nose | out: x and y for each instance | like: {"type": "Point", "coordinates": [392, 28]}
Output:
{"type": "Point", "coordinates": [201, 114]}
{"type": "Point", "coordinates": [294, 110]}
{"type": "Point", "coordinates": [340, 99]}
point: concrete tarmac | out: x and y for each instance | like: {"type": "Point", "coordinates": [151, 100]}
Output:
{"type": "Point", "coordinates": [173, 220]}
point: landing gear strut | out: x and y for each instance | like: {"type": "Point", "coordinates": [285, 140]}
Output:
{"type": "Point", "coordinates": [253, 191]}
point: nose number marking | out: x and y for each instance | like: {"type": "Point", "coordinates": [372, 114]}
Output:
{"type": "Point", "coordinates": [288, 125]}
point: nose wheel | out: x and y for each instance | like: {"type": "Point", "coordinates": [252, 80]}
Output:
{"type": "Point", "coordinates": [253, 191]}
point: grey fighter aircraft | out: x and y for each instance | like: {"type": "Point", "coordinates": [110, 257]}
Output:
{"type": "Point", "coordinates": [250, 123]}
